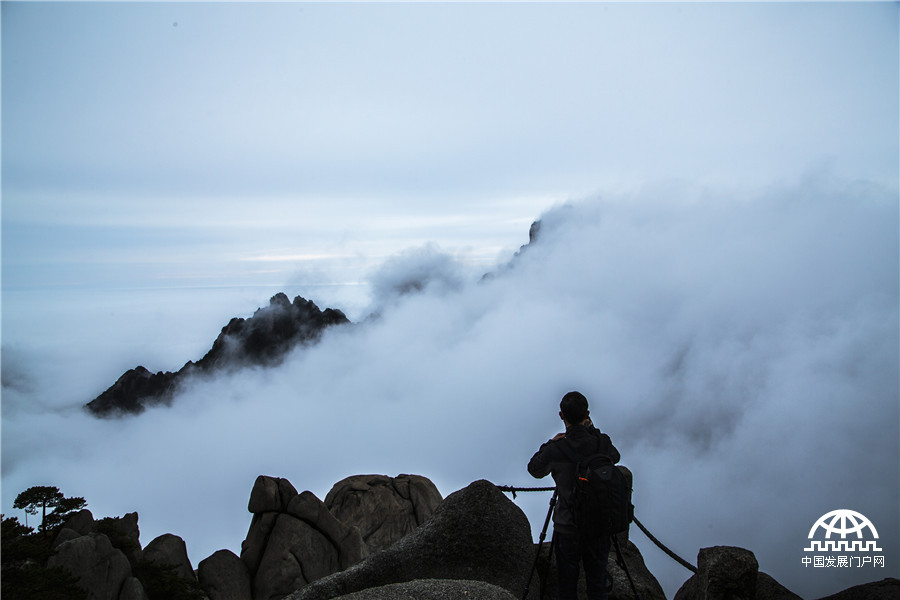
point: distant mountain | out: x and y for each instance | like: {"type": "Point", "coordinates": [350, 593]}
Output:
{"type": "Point", "coordinates": [262, 340]}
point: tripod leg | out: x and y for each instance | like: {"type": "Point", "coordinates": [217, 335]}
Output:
{"type": "Point", "coordinates": [541, 539]}
{"type": "Point", "coordinates": [549, 564]}
{"type": "Point", "coordinates": [624, 566]}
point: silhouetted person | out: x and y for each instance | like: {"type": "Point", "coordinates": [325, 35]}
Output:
{"type": "Point", "coordinates": [572, 547]}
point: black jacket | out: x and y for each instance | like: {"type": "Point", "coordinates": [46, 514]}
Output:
{"type": "Point", "coordinates": [583, 441]}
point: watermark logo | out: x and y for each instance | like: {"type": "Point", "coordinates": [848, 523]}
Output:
{"type": "Point", "coordinates": [843, 538]}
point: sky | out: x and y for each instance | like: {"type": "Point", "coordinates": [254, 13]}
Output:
{"type": "Point", "coordinates": [717, 270]}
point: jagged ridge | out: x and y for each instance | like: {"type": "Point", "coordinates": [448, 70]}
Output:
{"type": "Point", "coordinates": [262, 340]}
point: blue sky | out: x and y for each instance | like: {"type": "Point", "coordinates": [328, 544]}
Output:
{"type": "Point", "coordinates": [718, 185]}
{"type": "Point", "coordinates": [191, 129]}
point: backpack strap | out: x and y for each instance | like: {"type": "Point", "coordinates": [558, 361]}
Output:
{"type": "Point", "coordinates": [571, 455]}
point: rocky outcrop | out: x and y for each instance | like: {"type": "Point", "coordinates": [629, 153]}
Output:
{"type": "Point", "coordinates": [81, 522]}
{"type": "Point", "coordinates": [730, 573]}
{"type": "Point", "coordinates": [886, 589]}
{"type": "Point", "coordinates": [725, 572]}
{"type": "Point", "coordinates": [262, 340]}
{"type": "Point", "coordinates": [224, 576]}
{"type": "Point", "coordinates": [648, 588]}
{"type": "Point", "coordinates": [294, 540]}
{"type": "Point", "coordinates": [135, 390]}
{"type": "Point", "coordinates": [475, 544]}
{"type": "Point", "coordinates": [124, 534]}
{"type": "Point", "coordinates": [169, 550]}
{"type": "Point", "coordinates": [132, 589]}
{"type": "Point", "coordinates": [106, 557]}
{"type": "Point", "coordinates": [475, 534]}
{"type": "Point", "coordinates": [100, 569]}
{"type": "Point", "coordinates": [769, 589]}
{"type": "Point", "coordinates": [433, 589]}
{"type": "Point", "coordinates": [384, 509]}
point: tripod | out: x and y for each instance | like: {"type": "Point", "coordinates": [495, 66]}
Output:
{"type": "Point", "coordinates": [615, 543]}
{"type": "Point", "coordinates": [541, 543]}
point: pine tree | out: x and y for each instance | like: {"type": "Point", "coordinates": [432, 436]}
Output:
{"type": "Point", "coordinates": [44, 497]}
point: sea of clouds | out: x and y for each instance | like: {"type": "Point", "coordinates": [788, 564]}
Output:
{"type": "Point", "coordinates": [741, 349]}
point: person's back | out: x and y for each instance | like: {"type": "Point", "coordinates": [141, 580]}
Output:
{"type": "Point", "coordinates": [581, 439]}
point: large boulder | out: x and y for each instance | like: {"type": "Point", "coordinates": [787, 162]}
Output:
{"type": "Point", "coordinates": [224, 576]}
{"type": "Point", "coordinates": [384, 509]}
{"type": "Point", "coordinates": [886, 589]}
{"type": "Point", "coordinates": [648, 588]}
{"type": "Point", "coordinates": [475, 534]}
{"type": "Point", "coordinates": [100, 569]}
{"type": "Point", "coordinates": [124, 534]}
{"type": "Point", "coordinates": [433, 589]}
{"type": "Point", "coordinates": [64, 535]}
{"type": "Point", "coordinates": [169, 550]}
{"type": "Point", "coordinates": [769, 589]}
{"type": "Point", "coordinates": [270, 494]}
{"type": "Point", "coordinates": [294, 540]}
{"type": "Point", "coordinates": [133, 589]}
{"type": "Point", "coordinates": [254, 545]}
{"type": "Point", "coordinates": [81, 522]}
{"type": "Point", "coordinates": [727, 573]}
{"type": "Point", "coordinates": [730, 573]}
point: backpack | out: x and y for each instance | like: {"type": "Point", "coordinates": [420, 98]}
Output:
{"type": "Point", "coordinates": [602, 498]}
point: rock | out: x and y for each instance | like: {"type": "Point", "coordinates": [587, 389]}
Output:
{"type": "Point", "coordinates": [347, 541]}
{"type": "Point", "coordinates": [384, 509]}
{"type": "Point", "coordinates": [124, 534]}
{"type": "Point", "coordinates": [262, 340]}
{"type": "Point", "coordinates": [65, 534]}
{"type": "Point", "coordinates": [886, 589]}
{"type": "Point", "coordinates": [270, 494]}
{"type": "Point", "coordinates": [648, 587]}
{"type": "Point", "coordinates": [688, 589]}
{"type": "Point", "coordinates": [296, 554]}
{"type": "Point", "coordinates": [270, 333]}
{"type": "Point", "coordinates": [132, 391]}
{"type": "Point", "coordinates": [433, 589]}
{"type": "Point", "coordinates": [82, 522]}
{"type": "Point", "coordinates": [729, 573]}
{"type": "Point", "coordinates": [101, 569]}
{"type": "Point", "coordinates": [475, 534]}
{"type": "Point", "coordinates": [298, 546]}
{"type": "Point", "coordinates": [169, 550]}
{"type": "Point", "coordinates": [769, 589]}
{"type": "Point", "coordinates": [294, 539]}
{"type": "Point", "coordinates": [253, 547]}
{"type": "Point", "coordinates": [133, 589]}
{"type": "Point", "coordinates": [224, 576]}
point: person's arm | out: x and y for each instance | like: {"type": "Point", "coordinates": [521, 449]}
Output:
{"type": "Point", "coordinates": [539, 465]}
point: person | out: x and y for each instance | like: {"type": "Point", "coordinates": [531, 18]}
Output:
{"type": "Point", "coordinates": [570, 546]}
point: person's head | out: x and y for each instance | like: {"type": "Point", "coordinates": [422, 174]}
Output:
{"type": "Point", "coordinates": [573, 408]}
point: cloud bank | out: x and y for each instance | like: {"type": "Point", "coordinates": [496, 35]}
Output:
{"type": "Point", "coordinates": [740, 349]}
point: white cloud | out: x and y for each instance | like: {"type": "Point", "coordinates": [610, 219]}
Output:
{"type": "Point", "coordinates": [742, 353]}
